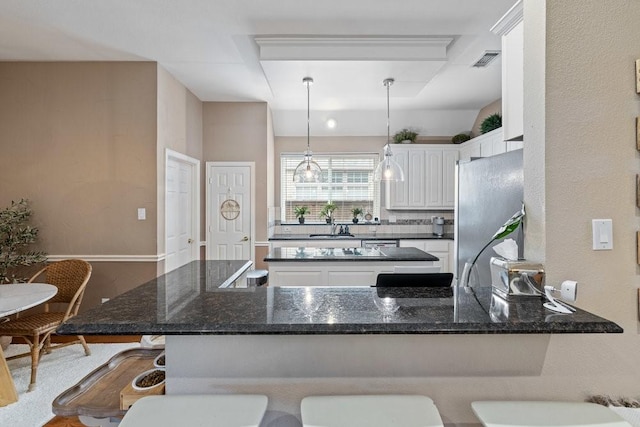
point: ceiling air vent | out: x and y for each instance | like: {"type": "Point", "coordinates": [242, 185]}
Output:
{"type": "Point", "coordinates": [486, 59]}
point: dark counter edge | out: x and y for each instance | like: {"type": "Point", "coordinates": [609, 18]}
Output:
{"type": "Point", "coordinates": [341, 329]}
{"type": "Point", "coordinates": [365, 236]}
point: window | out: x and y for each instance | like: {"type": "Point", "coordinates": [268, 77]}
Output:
{"type": "Point", "coordinates": [347, 180]}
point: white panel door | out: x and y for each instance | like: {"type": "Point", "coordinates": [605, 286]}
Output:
{"type": "Point", "coordinates": [180, 225]}
{"type": "Point", "coordinates": [229, 209]}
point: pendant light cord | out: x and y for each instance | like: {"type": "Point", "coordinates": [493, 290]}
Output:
{"type": "Point", "coordinates": [387, 84]}
{"type": "Point", "coordinates": [308, 81]}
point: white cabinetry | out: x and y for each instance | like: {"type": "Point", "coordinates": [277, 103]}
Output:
{"type": "Point", "coordinates": [428, 177]}
{"type": "Point", "coordinates": [327, 273]}
{"type": "Point", "coordinates": [511, 28]}
{"type": "Point", "coordinates": [443, 249]}
{"type": "Point", "coordinates": [317, 243]}
{"type": "Point", "coordinates": [488, 144]}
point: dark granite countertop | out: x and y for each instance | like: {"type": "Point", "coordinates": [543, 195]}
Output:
{"type": "Point", "coordinates": [367, 236]}
{"type": "Point", "coordinates": [386, 254]}
{"type": "Point", "coordinates": [188, 301]}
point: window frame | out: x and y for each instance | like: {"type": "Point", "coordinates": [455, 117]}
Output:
{"type": "Point", "coordinates": [372, 204]}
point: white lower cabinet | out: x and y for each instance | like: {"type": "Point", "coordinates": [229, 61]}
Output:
{"type": "Point", "coordinates": [443, 249]}
{"type": "Point", "coordinates": [326, 273]}
{"type": "Point", "coordinates": [326, 243]}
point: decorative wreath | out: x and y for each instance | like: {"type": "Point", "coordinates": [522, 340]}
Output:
{"type": "Point", "coordinates": [230, 209]}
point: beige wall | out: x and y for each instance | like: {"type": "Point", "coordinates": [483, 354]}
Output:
{"type": "Point", "coordinates": [77, 139]}
{"type": "Point", "coordinates": [494, 107]}
{"type": "Point", "coordinates": [180, 130]}
{"type": "Point", "coordinates": [238, 132]}
{"type": "Point", "coordinates": [82, 141]}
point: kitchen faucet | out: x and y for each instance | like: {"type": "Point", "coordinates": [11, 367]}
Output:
{"type": "Point", "coordinates": [333, 226]}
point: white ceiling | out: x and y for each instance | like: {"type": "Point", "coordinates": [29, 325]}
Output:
{"type": "Point", "coordinates": [210, 46]}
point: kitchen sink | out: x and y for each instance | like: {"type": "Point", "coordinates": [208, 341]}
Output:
{"type": "Point", "coordinates": [332, 236]}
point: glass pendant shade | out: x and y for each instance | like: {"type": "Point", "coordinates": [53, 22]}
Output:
{"type": "Point", "coordinates": [307, 170]}
{"type": "Point", "coordinates": [388, 169]}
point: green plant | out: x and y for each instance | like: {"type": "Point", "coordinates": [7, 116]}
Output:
{"type": "Point", "coordinates": [15, 236]}
{"type": "Point", "coordinates": [356, 212]}
{"type": "Point", "coordinates": [327, 210]}
{"type": "Point", "coordinates": [404, 135]}
{"type": "Point", "coordinates": [494, 121]}
{"type": "Point", "coordinates": [507, 228]}
{"type": "Point", "coordinates": [460, 138]}
{"type": "Point", "coordinates": [300, 211]}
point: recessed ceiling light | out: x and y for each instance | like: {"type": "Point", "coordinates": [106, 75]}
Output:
{"type": "Point", "coordinates": [331, 123]}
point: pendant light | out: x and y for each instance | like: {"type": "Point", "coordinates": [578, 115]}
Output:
{"type": "Point", "coordinates": [388, 169]}
{"type": "Point", "coordinates": [307, 170]}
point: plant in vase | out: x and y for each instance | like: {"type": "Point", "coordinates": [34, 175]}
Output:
{"type": "Point", "coordinates": [494, 121]}
{"type": "Point", "coordinates": [356, 212]}
{"type": "Point", "coordinates": [405, 136]}
{"type": "Point", "coordinates": [507, 228]}
{"type": "Point", "coordinates": [15, 236]}
{"type": "Point", "coordinates": [327, 211]}
{"type": "Point", "coordinates": [300, 212]}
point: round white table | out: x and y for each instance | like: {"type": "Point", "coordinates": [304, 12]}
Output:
{"type": "Point", "coordinates": [21, 296]}
{"type": "Point", "coordinates": [13, 299]}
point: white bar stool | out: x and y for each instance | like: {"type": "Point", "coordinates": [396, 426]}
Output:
{"type": "Point", "coordinates": [370, 411]}
{"type": "Point", "coordinates": [545, 414]}
{"type": "Point", "coordinates": [233, 410]}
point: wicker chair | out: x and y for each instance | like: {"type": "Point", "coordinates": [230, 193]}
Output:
{"type": "Point", "coordinates": [70, 277]}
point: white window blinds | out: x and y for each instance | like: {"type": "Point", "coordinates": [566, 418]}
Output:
{"type": "Point", "coordinates": [347, 181]}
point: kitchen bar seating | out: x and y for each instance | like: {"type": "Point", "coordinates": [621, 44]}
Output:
{"type": "Point", "coordinates": [545, 414]}
{"type": "Point", "coordinates": [369, 411]}
{"type": "Point", "coordinates": [70, 277]}
{"type": "Point", "coordinates": [213, 410]}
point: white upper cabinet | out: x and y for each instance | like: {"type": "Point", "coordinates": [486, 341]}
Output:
{"type": "Point", "coordinates": [511, 28]}
{"type": "Point", "coordinates": [429, 172]}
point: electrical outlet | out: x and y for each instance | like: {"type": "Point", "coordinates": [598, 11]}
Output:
{"type": "Point", "coordinates": [372, 228]}
{"type": "Point", "coordinates": [142, 214]}
{"type": "Point", "coordinates": [287, 229]}
{"type": "Point", "coordinates": [392, 219]}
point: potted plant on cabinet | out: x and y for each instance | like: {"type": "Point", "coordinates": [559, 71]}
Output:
{"type": "Point", "coordinates": [405, 136]}
{"type": "Point", "coordinates": [327, 211]}
{"type": "Point", "coordinates": [356, 212]}
{"type": "Point", "coordinates": [300, 212]}
{"type": "Point", "coordinates": [494, 121]}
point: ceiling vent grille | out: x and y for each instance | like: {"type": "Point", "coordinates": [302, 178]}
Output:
{"type": "Point", "coordinates": [486, 58]}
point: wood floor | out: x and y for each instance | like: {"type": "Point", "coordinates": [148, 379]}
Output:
{"type": "Point", "coordinates": [64, 422]}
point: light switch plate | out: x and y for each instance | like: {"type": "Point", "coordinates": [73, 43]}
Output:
{"type": "Point", "coordinates": [602, 230]}
{"type": "Point", "coordinates": [142, 214]}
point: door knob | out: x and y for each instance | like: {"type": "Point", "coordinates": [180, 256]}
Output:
{"type": "Point", "coordinates": [245, 239]}
{"type": "Point", "coordinates": [190, 241]}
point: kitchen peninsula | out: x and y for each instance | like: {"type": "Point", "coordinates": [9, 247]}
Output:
{"type": "Point", "coordinates": [274, 340]}
{"type": "Point", "coordinates": [311, 266]}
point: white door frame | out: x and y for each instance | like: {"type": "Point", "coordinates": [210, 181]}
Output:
{"type": "Point", "coordinates": [195, 199]}
{"type": "Point", "coordinates": [252, 180]}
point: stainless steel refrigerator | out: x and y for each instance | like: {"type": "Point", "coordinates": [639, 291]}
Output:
{"type": "Point", "coordinates": [489, 190]}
